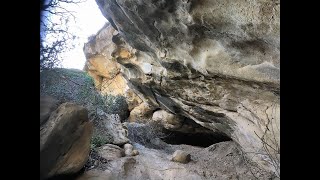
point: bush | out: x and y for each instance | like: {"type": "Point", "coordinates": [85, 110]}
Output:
{"type": "Point", "coordinates": [97, 141]}
{"type": "Point", "coordinates": [68, 85]}
{"type": "Point", "coordinates": [270, 140]}
{"type": "Point", "coordinates": [117, 105]}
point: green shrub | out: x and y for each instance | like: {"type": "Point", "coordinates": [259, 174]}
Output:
{"type": "Point", "coordinates": [70, 85]}
{"type": "Point", "coordinates": [117, 105]}
{"type": "Point", "coordinates": [97, 141]}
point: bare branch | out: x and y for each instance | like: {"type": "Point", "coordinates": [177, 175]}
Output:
{"type": "Point", "coordinates": [56, 37]}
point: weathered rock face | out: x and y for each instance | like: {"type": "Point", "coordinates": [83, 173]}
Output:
{"type": "Point", "coordinates": [177, 123]}
{"type": "Point", "coordinates": [64, 140]}
{"type": "Point", "coordinates": [103, 53]}
{"type": "Point", "coordinates": [215, 62]}
{"type": "Point", "coordinates": [102, 66]}
{"type": "Point", "coordinates": [233, 38]}
{"type": "Point", "coordinates": [141, 113]}
{"type": "Point", "coordinates": [111, 152]}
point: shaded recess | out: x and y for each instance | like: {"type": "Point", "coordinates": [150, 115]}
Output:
{"type": "Point", "coordinates": [194, 139]}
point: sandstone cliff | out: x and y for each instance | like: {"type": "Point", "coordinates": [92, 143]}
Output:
{"type": "Point", "coordinates": [215, 62]}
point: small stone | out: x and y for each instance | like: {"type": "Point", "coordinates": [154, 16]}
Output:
{"type": "Point", "coordinates": [128, 152]}
{"type": "Point", "coordinates": [110, 152]}
{"type": "Point", "coordinates": [96, 163]}
{"type": "Point", "coordinates": [125, 125]}
{"type": "Point", "coordinates": [162, 54]}
{"type": "Point", "coordinates": [181, 156]}
{"type": "Point", "coordinates": [127, 146]}
{"type": "Point", "coordinates": [135, 152]}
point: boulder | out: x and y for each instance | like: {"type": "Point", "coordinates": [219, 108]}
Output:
{"type": "Point", "coordinates": [110, 152]}
{"type": "Point", "coordinates": [141, 113]}
{"type": "Point", "coordinates": [128, 148]}
{"type": "Point", "coordinates": [47, 105]}
{"type": "Point", "coordinates": [168, 120]}
{"type": "Point", "coordinates": [135, 152]}
{"type": "Point", "coordinates": [128, 152]}
{"type": "Point", "coordinates": [65, 141]}
{"type": "Point", "coordinates": [181, 157]}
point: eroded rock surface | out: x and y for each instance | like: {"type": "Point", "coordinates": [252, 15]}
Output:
{"type": "Point", "coordinates": [102, 66]}
{"type": "Point", "coordinates": [212, 61]}
{"type": "Point", "coordinates": [64, 141]}
{"type": "Point", "coordinates": [110, 152]}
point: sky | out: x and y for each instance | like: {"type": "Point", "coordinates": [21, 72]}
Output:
{"type": "Point", "coordinates": [89, 20]}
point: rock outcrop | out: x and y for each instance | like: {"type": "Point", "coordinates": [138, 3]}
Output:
{"type": "Point", "coordinates": [214, 62]}
{"type": "Point", "coordinates": [102, 66]}
{"type": "Point", "coordinates": [64, 139]}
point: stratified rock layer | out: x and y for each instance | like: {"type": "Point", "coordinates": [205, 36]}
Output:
{"type": "Point", "coordinates": [216, 62]}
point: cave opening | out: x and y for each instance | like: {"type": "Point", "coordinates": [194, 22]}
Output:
{"type": "Point", "coordinates": [194, 139]}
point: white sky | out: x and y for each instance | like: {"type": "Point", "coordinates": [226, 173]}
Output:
{"type": "Point", "coordinates": [89, 20]}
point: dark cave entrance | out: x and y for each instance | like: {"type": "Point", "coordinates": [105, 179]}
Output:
{"type": "Point", "coordinates": [194, 139]}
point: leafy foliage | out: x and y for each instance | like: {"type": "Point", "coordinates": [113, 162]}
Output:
{"type": "Point", "coordinates": [97, 141]}
{"type": "Point", "coordinates": [69, 85]}
{"type": "Point", "coordinates": [117, 105]}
